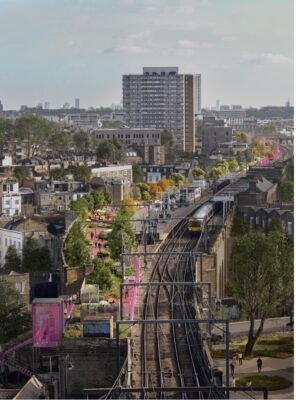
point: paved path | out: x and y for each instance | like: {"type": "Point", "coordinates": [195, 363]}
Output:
{"type": "Point", "coordinates": [270, 366]}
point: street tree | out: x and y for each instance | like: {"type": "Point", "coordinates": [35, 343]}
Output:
{"type": "Point", "coordinates": [286, 191]}
{"type": "Point", "coordinates": [32, 130]}
{"type": "Point", "coordinates": [197, 173]}
{"type": "Point", "coordinates": [59, 142]}
{"type": "Point", "coordinates": [81, 141]}
{"type": "Point", "coordinates": [100, 199]}
{"type": "Point", "coordinates": [138, 175]}
{"type": "Point", "coordinates": [233, 165]}
{"type": "Point", "coordinates": [58, 173]}
{"type": "Point", "coordinates": [82, 172]}
{"type": "Point", "coordinates": [80, 206]}
{"type": "Point", "coordinates": [216, 173]}
{"type": "Point", "coordinates": [178, 178]}
{"type": "Point", "coordinates": [261, 273]}
{"type": "Point", "coordinates": [14, 316]}
{"type": "Point", "coordinates": [13, 260]}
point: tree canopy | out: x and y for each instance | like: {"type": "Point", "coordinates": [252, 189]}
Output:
{"type": "Point", "coordinates": [21, 172]}
{"type": "Point", "coordinates": [13, 260]}
{"type": "Point", "coordinates": [178, 178]}
{"type": "Point", "coordinates": [197, 173]}
{"type": "Point", "coordinates": [82, 172]}
{"type": "Point", "coordinates": [14, 316]}
{"type": "Point", "coordinates": [261, 275]}
{"type": "Point", "coordinates": [138, 175]}
{"type": "Point", "coordinates": [36, 258]}
{"type": "Point", "coordinates": [122, 233]}
{"type": "Point", "coordinates": [76, 250]}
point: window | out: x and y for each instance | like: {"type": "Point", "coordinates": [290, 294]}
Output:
{"type": "Point", "coordinates": [17, 202]}
{"type": "Point", "coordinates": [19, 286]}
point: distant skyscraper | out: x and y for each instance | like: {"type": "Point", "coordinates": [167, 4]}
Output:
{"type": "Point", "coordinates": [1, 106]}
{"type": "Point", "coordinates": [217, 105]}
{"type": "Point", "coordinates": [164, 99]}
{"type": "Point", "coordinates": [77, 103]}
{"type": "Point", "coordinates": [287, 104]}
{"type": "Point", "coordinates": [46, 105]}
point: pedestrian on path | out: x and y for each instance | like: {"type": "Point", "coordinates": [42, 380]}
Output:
{"type": "Point", "coordinates": [259, 364]}
{"type": "Point", "coordinates": [240, 358]}
{"type": "Point", "coordinates": [232, 369]}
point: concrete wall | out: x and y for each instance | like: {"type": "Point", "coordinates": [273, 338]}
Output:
{"type": "Point", "coordinates": [94, 364]}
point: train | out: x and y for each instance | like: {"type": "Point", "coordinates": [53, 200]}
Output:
{"type": "Point", "coordinates": [200, 217]}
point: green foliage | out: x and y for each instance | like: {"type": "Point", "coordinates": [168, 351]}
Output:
{"type": "Point", "coordinates": [144, 189]}
{"type": "Point", "coordinates": [286, 191]}
{"type": "Point", "coordinates": [261, 274]}
{"type": "Point", "coordinates": [82, 172]}
{"type": "Point", "coordinates": [216, 173]}
{"type": "Point", "coordinates": [167, 139]}
{"type": "Point", "coordinates": [100, 199]}
{"type": "Point", "coordinates": [233, 165]}
{"type": "Point", "coordinates": [241, 137]}
{"type": "Point", "coordinates": [239, 225]}
{"type": "Point", "coordinates": [76, 250]}
{"type": "Point", "coordinates": [110, 151]}
{"type": "Point", "coordinates": [6, 131]}
{"type": "Point", "coordinates": [36, 258]}
{"type": "Point", "coordinates": [101, 276]}
{"type": "Point", "coordinates": [33, 130]}
{"type": "Point", "coordinates": [21, 172]}
{"type": "Point", "coordinates": [14, 316]}
{"type": "Point", "coordinates": [138, 175]}
{"type": "Point", "coordinates": [122, 228]}
{"type": "Point", "coordinates": [197, 173]}
{"type": "Point", "coordinates": [13, 261]}
{"type": "Point", "coordinates": [58, 173]}
{"type": "Point", "coordinates": [81, 206]}
{"type": "Point", "coordinates": [177, 178]}
{"type": "Point", "coordinates": [223, 165]}
{"type": "Point", "coordinates": [81, 141]}
{"type": "Point", "coordinates": [59, 142]}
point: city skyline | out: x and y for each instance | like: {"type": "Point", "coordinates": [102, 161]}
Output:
{"type": "Point", "coordinates": [57, 51]}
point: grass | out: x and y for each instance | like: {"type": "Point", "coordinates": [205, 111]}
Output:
{"type": "Point", "coordinates": [271, 382]}
{"type": "Point", "coordinates": [277, 346]}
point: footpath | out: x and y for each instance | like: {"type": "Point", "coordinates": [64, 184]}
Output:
{"type": "Point", "coordinates": [270, 366]}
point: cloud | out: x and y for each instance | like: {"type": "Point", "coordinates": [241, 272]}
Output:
{"type": "Point", "coordinates": [265, 58]}
{"type": "Point", "coordinates": [186, 48]}
{"type": "Point", "coordinates": [230, 38]}
{"type": "Point", "coordinates": [134, 43]}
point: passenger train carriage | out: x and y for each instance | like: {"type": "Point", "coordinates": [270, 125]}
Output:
{"type": "Point", "coordinates": [200, 217]}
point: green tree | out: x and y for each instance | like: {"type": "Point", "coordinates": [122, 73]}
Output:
{"type": "Point", "coordinates": [32, 130]}
{"type": "Point", "coordinates": [36, 258]}
{"type": "Point", "coordinates": [81, 141]}
{"type": "Point", "coordinates": [286, 191]}
{"type": "Point", "coordinates": [167, 138]}
{"type": "Point", "coordinates": [239, 225]}
{"type": "Point", "coordinates": [233, 165]}
{"type": "Point", "coordinates": [105, 151]}
{"type": "Point", "coordinates": [100, 199]}
{"type": "Point", "coordinates": [138, 175]}
{"type": "Point", "coordinates": [261, 273]}
{"type": "Point", "coordinates": [81, 206]}
{"type": "Point", "coordinates": [82, 172]}
{"type": "Point", "coordinates": [122, 234]}
{"type": "Point", "coordinates": [177, 178]}
{"type": "Point", "coordinates": [6, 131]}
{"type": "Point", "coordinates": [21, 172]}
{"type": "Point", "coordinates": [223, 164]}
{"type": "Point", "coordinates": [101, 276]}
{"type": "Point", "coordinates": [197, 173]}
{"type": "Point", "coordinates": [59, 142]}
{"type": "Point", "coordinates": [14, 316]}
{"type": "Point", "coordinates": [13, 261]}
{"type": "Point", "coordinates": [76, 250]}
{"type": "Point", "coordinates": [58, 173]}
{"type": "Point", "coordinates": [216, 173]}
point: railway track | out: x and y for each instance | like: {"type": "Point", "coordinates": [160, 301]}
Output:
{"type": "Point", "coordinates": [172, 355]}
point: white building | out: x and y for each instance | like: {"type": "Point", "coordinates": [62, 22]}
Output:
{"type": "Point", "coordinates": [10, 238]}
{"type": "Point", "coordinates": [113, 172]}
{"type": "Point", "coordinates": [11, 201]}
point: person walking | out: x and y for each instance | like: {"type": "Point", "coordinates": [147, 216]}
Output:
{"type": "Point", "coordinates": [240, 359]}
{"type": "Point", "coordinates": [259, 364]}
{"type": "Point", "coordinates": [232, 369]}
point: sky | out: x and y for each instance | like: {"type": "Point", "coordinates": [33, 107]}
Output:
{"type": "Point", "coordinates": [57, 50]}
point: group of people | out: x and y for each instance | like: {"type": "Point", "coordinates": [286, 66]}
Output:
{"type": "Point", "coordinates": [239, 356]}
